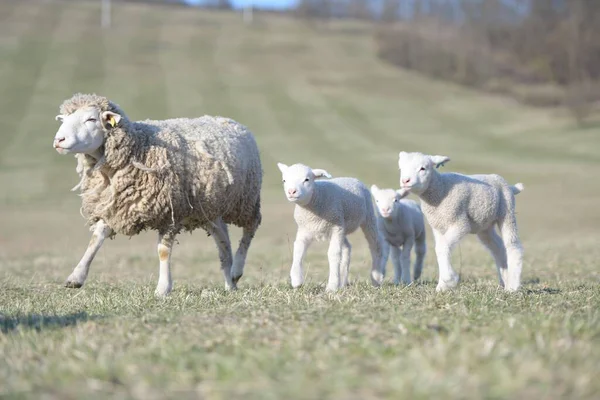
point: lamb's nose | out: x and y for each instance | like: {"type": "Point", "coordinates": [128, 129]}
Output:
{"type": "Point", "coordinates": [406, 180]}
{"type": "Point", "coordinates": [58, 140]}
{"type": "Point", "coordinates": [291, 192]}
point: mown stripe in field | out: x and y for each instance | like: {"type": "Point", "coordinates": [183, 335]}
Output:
{"type": "Point", "coordinates": [25, 65]}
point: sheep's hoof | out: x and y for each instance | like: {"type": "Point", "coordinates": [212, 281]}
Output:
{"type": "Point", "coordinates": [73, 284]}
{"type": "Point", "coordinates": [235, 279]}
{"type": "Point", "coordinates": [446, 285]}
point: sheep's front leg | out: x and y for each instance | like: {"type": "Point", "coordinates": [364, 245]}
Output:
{"type": "Point", "coordinates": [405, 261]}
{"type": "Point", "coordinates": [444, 243]}
{"type": "Point", "coordinates": [165, 247]}
{"type": "Point", "coordinates": [345, 263]}
{"type": "Point", "coordinates": [300, 246]}
{"type": "Point", "coordinates": [395, 253]}
{"type": "Point", "coordinates": [334, 254]}
{"type": "Point", "coordinates": [79, 274]}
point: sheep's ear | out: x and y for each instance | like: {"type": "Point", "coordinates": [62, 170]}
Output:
{"type": "Point", "coordinates": [321, 173]}
{"type": "Point", "coordinates": [59, 117]}
{"type": "Point", "coordinates": [439, 161]}
{"type": "Point", "coordinates": [402, 193]}
{"type": "Point", "coordinates": [110, 118]}
{"type": "Point", "coordinates": [374, 189]}
{"type": "Point", "coordinates": [282, 167]}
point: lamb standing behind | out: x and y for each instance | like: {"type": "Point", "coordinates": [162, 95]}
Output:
{"type": "Point", "coordinates": [330, 210]}
{"type": "Point", "coordinates": [170, 176]}
{"type": "Point", "coordinates": [401, 224]}
{"type": "Point", "coordinates": [456, 205]}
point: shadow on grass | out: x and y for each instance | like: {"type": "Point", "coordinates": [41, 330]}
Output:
{"type": "Point", "coordinates": [543, 291]}
{"type": "Point", "coordinates": [41, 322]}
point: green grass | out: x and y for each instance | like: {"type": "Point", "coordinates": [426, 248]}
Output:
{"type": "Point", "coordinates": [315, 96]}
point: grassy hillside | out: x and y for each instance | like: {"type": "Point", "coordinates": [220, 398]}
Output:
{"type": "Point", "coordinates": [315, 96]}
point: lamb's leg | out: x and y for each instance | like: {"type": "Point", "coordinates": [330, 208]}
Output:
{"type": "Point", "coordinates": [334, 255]}
{"type": "Point", "coordinates": [239, 260]}
{"type": "Point", "coordinates": [396, 253]}
{"type": "Point", "coordinates": [345, 264]}
{"type": "Point", "coordinates": [377, 251]}
{"type": "Point", "coordinates": [79, 274]}
{"type": "Point", "coordinates": [444, 243]}
{"type": "Point", "coordinates": [300, 246]}
{"type": "Point", "coordinates": [165, 248]}
{"type": "Point", "coordinates": [221, 236]}
{"type": "Point", "coordinates": [420, 251]}
{"type": "Point", "coordinates": [514, 253]}
{"type": "Point", "coordinates": [386, 255]}
{"type": "Point", "coordinates": [493, 242]}
{"type": "Point", "coordinates": [405, 261]}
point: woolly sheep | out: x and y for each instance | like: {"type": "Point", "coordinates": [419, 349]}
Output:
{"type": "Point", "coordinates": [169, 176]}
{"type": "Point", "coordinates": [456, 205]}
{"type": "Point", "coordinates": [400, 222]}
{"type": "Point", "coordinates": [330, 210]}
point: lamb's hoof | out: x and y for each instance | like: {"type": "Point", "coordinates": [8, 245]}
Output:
{"type": "Point", "coordinates": [331, 289]}
{"type": "Point", "coordinates": [235, 279]}
{"type": "Point", "coordinates": [73, 284]}
{"type": "Point", "coordinates": [444, 286]}
{"type": "Point", "coordinates": [163, 290]}
{"type": "Point", "coordinates": [511, 289]}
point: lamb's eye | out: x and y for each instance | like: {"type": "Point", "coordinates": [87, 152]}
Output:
{"type": "Point", "coordinates": [283, 181]}
{"type": "Point", "coordinates": [306, 180]}
{"type": "Point", "coordinates": [92, 119]}
{"type": "Point", "coordinates": [422, 169]}
{"type": "Point", "coordinates": [395, 200]}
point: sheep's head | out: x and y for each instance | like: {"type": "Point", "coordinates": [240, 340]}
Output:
{"type": "Point", "coordinates": [84, 121]}
{"type": "Point", "coordinates": [416, 170]}
{"type": "Point", "coordinates": [299, 182]}
{"type": "Point", "coordinates": [386, 200]}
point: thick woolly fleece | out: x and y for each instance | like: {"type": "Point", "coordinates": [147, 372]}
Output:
{"type": "Point", "coordinates": [171, 175]}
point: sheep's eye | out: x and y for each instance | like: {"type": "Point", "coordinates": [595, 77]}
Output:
{"type": "Point", "coordinates": [422, 169]}
{"type": "Point", "coordinates": [395, 200]}
{"type": "Point", "coordinates": [283, 181]}
{"type": "Point", "coordinates": [306, 180]}
{"type": "Point", "coordinates": [92, 119]}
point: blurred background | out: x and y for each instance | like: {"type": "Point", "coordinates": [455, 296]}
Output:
{"type": "Point", "coordinates": [499, 86]}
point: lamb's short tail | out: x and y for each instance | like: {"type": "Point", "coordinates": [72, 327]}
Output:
{"type": "Point", "coordinates": [517, 188]}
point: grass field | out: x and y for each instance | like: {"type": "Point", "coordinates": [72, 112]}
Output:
{"type": "Point", "coordinates": [315, 96]}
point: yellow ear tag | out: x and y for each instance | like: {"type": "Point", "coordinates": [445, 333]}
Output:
{"type": "Point", "coordinates": [112, 121]}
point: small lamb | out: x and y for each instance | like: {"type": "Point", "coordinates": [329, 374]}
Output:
{"type": "Point", "coordinates": [456, 205]}
{"type": "Point", "coordinates": [330, 210]}
{"type": "Point", "coordinates": [402, 226]}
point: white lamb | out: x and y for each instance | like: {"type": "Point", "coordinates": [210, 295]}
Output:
{"type": "Point", "coordinates": [456, 205]}
{"type": "Point", "coordinates": [330, 210]}
{"type": "Point", "coordinates": [402, 226]}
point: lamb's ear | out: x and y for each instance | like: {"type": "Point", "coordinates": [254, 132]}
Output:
{"type": "Point", "coordinates": [321, 173]}
{"type": "Point", "coordinates": [402, 193]}
{"type": "Point", "coordinates": [282, 167]}
{"type": "Point", "coordinates": [59, 117]}
{"type": "Point", "coordinates": [374, 189]}
{"type": "Point", "coordinates": [110, 118]}
{"type": "Point", "coordinates": [401, 155]}
{"type": "Point", "coordinates": [439, 161]}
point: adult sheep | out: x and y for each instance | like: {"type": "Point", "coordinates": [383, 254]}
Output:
{"type": "Point", "coordinates": [169, 176]}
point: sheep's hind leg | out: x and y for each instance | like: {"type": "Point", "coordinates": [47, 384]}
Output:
{"type": "Point", "coordinates": [377, 252]}
{"type": "Point", "coordinates": [345, 264]}
{"type": "Point", "coordinates": [334, 255]}
{"type": "Point", "coordinates": [221, 236]}
{"type": "Point", "coordinates": [237, 270]}
{"type": "Point", "coordinates": [514, 253]}
{"type": "Point", "coordinates": [164, 248]}
{"type": "Point", "coordinates": [79, 274]}
{"type": "Point", "coordinates": [493, 242]}
{"type": "Point", "coordinates": [420, 251]}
